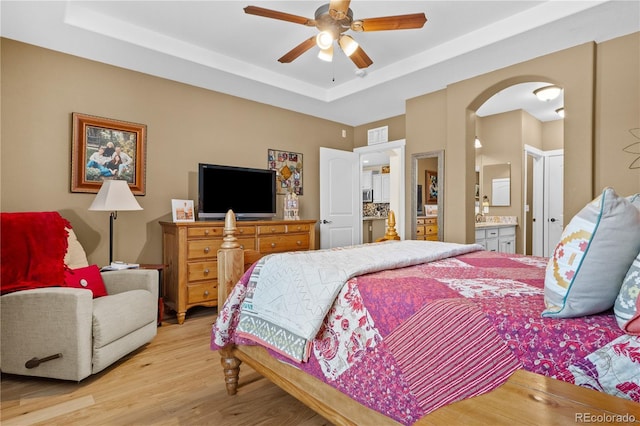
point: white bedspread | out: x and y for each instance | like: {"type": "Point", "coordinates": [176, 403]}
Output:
{"type": "Point", "coordinates": [289, 294]}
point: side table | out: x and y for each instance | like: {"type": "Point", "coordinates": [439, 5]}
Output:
{"type": "Point", "coordinates": [160, 268]}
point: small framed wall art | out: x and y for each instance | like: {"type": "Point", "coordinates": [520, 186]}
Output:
{"type": "Point", "coordinates": [104, 149]}
{"type": "Point", "coordinates": [288, 167]}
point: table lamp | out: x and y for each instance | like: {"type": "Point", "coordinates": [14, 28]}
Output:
{"type": "Point", "coordinates": [114, 196]}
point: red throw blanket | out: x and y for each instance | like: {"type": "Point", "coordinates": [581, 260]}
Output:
{"type": "Point", "coordinates": [32, 251]}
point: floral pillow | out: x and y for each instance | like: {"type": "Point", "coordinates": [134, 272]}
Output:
{"type": "Point", "coordinates": [627, 306]}
{"type": "Point", "coordinates": [588, 265]}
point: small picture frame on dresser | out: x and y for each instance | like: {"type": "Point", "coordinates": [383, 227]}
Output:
{"type": "Point", "coordinates": [182, 210]}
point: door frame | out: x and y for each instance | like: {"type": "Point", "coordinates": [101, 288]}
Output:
{"type": "Point", "coordinates": [439, 154]}
{"type": "Point", "coordinates": [397, 168]}
{"type": "Point", "coordinates": [539, 200]}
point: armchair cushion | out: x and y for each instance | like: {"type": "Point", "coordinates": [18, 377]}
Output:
{"type": "Point", "coordinates": [88, 277]}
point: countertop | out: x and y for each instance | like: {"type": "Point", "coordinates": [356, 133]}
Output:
{"type": "Point", "coordinates": [493, 225]}
{"type": "Point", "coordinates": [374, 218]}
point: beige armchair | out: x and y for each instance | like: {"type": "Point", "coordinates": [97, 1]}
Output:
{"type": "Point", "coordinates": [64, 333]}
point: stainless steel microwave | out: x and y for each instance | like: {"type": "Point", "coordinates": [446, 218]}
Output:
{"type": "Point", "coordinates": [367, 195]}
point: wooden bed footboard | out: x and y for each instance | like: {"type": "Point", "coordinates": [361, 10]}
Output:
{"type": "Point", "coordinates": [525, 399]}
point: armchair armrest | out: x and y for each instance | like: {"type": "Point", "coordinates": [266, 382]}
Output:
{"type": "Point", "coordinates": [44, 322]}
{"type": "Point", "coordinates": [131, 279]}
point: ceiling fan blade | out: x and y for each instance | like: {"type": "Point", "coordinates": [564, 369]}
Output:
{"type": "Point", "coordinates": [400, 22]}
{"type": "Point", "coordinates": [298, 50]}
{"type": "Point", "coordinates": [274, 14]}
{"type": "Point", "coordinates": [338, 9]}
{"type": "Point", "coordinates": [360, 58]}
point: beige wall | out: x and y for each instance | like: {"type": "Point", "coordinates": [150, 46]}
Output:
{"type": "Point", "coordinates": [185, 125]}
{"type": "Point", "coordinates": [446, 120]}
{"type": "Point", "coordinates": [396, 130]}
{"type": "Point", "coordinates": [617, 113]}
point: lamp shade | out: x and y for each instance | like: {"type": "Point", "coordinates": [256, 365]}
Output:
{"type": "Point", "coordinates": [324, 39]}
{"type": "Point", "coordinates": [347, 44]}
{"type": "Point", "coordinates": [326, 54]}
{"type": "Point", "coordinates": [115, 195]}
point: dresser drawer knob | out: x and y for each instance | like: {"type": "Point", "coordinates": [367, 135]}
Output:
{"type": "Point", "coordinates": [207, 249]}
{"type": "Point", "coordinates": [242, 246]}
{"type": "Point", "coordinates": [273, 245]}
{"type": "Point", "coordinates": [273, 229]}
{"type": "Point", "coordinates": [206, 293]}
{"type": "Point", "coordinates": [206, 271]}
{"type": "Point", "coordinates": [240, 231]}
{"type": "Point", "coordinates": [299, 243]}
{"type": "Point", "coordinates": [206, 232]}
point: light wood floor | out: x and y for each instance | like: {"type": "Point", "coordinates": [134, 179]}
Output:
{"type": "Point", "coordinates": [174, 380]}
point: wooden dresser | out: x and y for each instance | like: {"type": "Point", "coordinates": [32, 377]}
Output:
{"type": "Point", "coordinates": [190, 249]}
{"type": "Point", "coordinates": [427, 228]}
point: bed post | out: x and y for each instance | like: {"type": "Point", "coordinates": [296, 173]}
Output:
{"type": "Point", "coordinates": [390, 233]}
{"type": "Point", "coordinates": [230, 270]}
{"type": "Point", "coordinates": [230, 259]}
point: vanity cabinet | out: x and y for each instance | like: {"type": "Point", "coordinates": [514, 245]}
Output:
{"type": "Point", "coordinates": [497, 238]}
{"type": "Point", "coordinates": [190, 252]}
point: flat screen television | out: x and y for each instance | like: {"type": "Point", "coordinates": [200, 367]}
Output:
{"type": "Point", "coordinates": [250, 193]}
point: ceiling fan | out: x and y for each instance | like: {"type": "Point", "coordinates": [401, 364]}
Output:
{"type": "Point", "coordinates": [332, 20]}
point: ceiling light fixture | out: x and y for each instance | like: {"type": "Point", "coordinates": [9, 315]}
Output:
{"type": "Point", "coordinates": [476, 143]}
{"type": "Point", "coordinates": [347, 44]}
{"type": "Point", "coordinates": [326, 54]}
{"type": "Point", "coordinates": [324, 39]}
{"type": "Point", "coordinates": [560, 112]}
{"type": "Point", "coordinates": [547, 93]}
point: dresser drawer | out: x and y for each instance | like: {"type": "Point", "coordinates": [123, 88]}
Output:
{"type": "Point", "coordinates": [202, 249]}
{"type": "Point", "coordinates": [420, 231]}
{"type": "Point", "coordinates": [431, 229]}
{"type": "Point", "coordinates": [298, 227]}
{"type": "Point", "coordinates": [431, 221]}
{"type": "Point", "coordinates": [272, 229]}
{"type": "Point", "coordinates": [204, 232]}
{"type": "Point", "coordinates": [420, 221]}
{"type": "Point", "coordinates": [198, 271]}
{"type": "Point", "coordinates": [202, 292]}
{"type": "Point", "coordinates": [279, 243]}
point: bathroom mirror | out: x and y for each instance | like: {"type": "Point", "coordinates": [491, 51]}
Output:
{"type": "Point", "coordinates": [496, 184]}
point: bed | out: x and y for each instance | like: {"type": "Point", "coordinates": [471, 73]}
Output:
{"type": "Point", "coordinates": [446, 336]}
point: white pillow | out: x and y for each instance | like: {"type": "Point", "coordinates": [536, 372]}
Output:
{"type": "Point", "coordinates": [596, 249]}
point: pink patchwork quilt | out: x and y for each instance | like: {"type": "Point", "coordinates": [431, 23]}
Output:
{"type": "Point", "coordinates": [407, 341]}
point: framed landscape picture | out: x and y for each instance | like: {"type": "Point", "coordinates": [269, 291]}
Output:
{"type": "Point", "coordinates": [105, 149]}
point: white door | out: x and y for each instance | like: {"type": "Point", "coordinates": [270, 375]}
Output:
{"type": "Point", "coordinates": [340, 198]}
{"type": "Point", "coordinates": [554, 187]}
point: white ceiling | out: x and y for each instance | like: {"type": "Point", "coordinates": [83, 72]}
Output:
{"type": "Point", "coordinates": [215, 45]}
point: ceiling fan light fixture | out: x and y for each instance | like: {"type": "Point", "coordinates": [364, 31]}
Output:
{"type": "Point", "coordinates": [326, 54]}
{"type": "Point", "coordinates": [547, 93]}
{"type": "Point", "coordinates": [347, 44]}
{"type": "Point", "coordinates": [324, 39]}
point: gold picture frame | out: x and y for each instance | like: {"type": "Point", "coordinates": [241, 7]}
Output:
{"type": "Point", "coordinates": [123, 156]}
